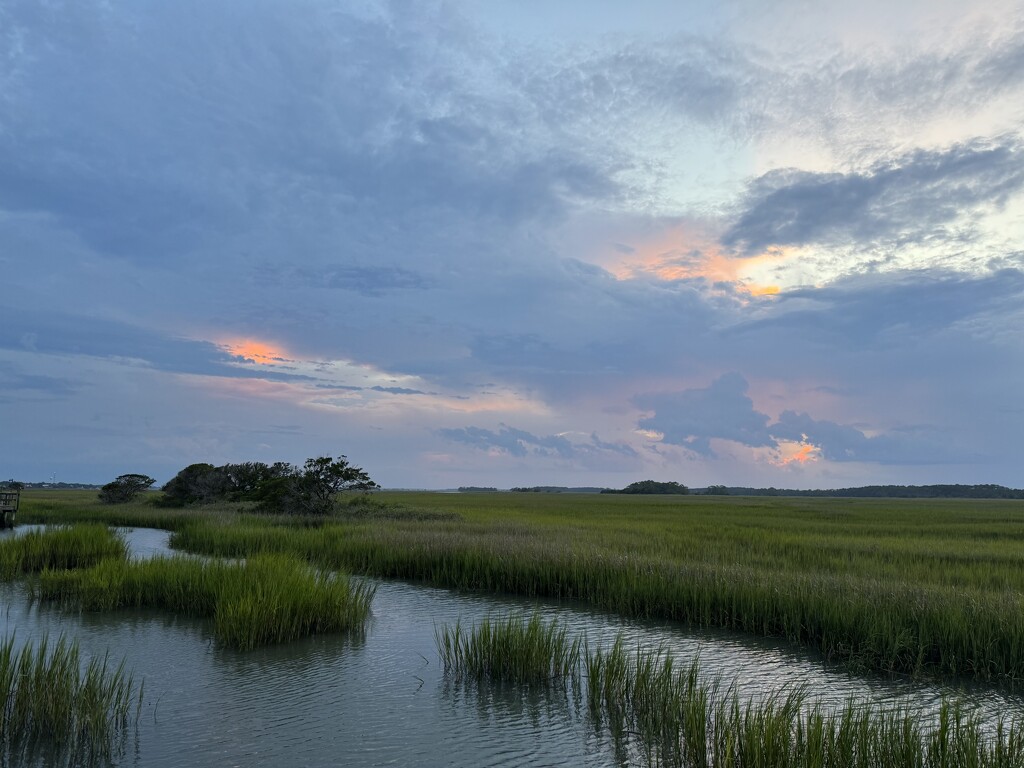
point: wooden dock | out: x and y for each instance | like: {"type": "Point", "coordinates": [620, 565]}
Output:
{"type": "Point", "coordinates": [8, 507]}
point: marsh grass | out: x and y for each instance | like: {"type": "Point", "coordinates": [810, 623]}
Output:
{"type": "Point", "coordinates": [678, 719]}
{"type": "Point", "coordinates": [517, 649]}
{"type": "Point", "coordinates": [269, 598]}
{"type": "Point", "coordinates": [48, 699]}
{"type": "Point", "coordinates": [76, 546]}
{"type": "Point", "coordinates": [908, 586]}
{"type": "Point", "coordinates": [670, 715]}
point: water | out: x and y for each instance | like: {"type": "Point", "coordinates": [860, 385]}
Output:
{"type": "Point", "coordinates": [381, 699]}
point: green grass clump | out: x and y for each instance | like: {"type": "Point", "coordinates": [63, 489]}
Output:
{"type": "Point", "coordinates": [267, 599]}
{"type": "Point", "coordinates": [75, 546]}
{"type": "Point", "coordinates": [517, 650]}
{"type": "Point", "coordinates": [47, 699]}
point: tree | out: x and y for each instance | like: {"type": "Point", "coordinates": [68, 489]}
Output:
{"type": "Point", "coordinates": [311, 490]}
{"type": "Point", "coordinates": [124, 488]}
{"type": "Point", "coordinates": [11, 485]}
{"type": "Point", "coordinates": [716, 490]}
{"type": "Point", "coordinates": [195, 484]}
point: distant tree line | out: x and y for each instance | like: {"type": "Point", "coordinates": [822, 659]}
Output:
{"type": "Point", "coordinates": [650, 487]}
{"type": "Point", "coordinates": [476, 489]}
{"type": "Point", "coordinates": [986, 491]}
{"type": "Point", "coordinates": [17, 485]}
{"type": "Point", "coordinates": [558, 489]}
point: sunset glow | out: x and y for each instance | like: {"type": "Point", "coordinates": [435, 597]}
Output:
{"type": "Point", "coordinates": [255, 351]}
{"type": "Point", "coordinates": [798, 454]}
{"type": "Point", "coordinates": [691, 253]}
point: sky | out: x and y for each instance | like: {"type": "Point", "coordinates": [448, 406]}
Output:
{"type": "Point", "coordinates": [514, 243]}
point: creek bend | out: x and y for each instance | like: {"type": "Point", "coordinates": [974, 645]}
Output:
{"type": "Point", "coordinates": [380, 698]}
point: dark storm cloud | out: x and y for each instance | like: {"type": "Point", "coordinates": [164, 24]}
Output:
{"type": "Point", "coordinates": [693, 417]}
{"type": "Point", "coordinates": [907, 199]}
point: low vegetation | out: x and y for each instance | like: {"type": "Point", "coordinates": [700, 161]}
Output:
{"type": "Point", "coordinates": [49, 699]}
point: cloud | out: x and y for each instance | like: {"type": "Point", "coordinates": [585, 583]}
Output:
{"type": "Point", "coordinates": [520, 444]}
{"type": "Point", "coordinates": [838, 442]}
{"type": "Point", "coordinates": [17, 385]}
{"type": "Point", "coordinates": [905, 312]}
{"type": "Point", "coordinates": [53, 333]}
{"type": "Point", "coordinates": [693, 417]}
{"type": "Point", "coordinates": [400, 391]}
{"type": "Point", "coordinates": [369, 280]}
{"type": "Point", "coordinates": [907, 199]}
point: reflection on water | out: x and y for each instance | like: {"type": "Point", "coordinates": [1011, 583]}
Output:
{"type": "Point", "coordinates": [381, 698]}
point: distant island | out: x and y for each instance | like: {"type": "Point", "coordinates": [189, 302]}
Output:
{"type": "Point", "coordinates": [986, 491]}
{"type": "Point", "coordinates": [652, 487]}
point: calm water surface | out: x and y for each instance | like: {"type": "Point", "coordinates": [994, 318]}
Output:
{"type": "Point", "coordinates": [381, 699]}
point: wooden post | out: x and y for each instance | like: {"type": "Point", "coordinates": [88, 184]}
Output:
{"type": "Point", "coordinates": [8, 507]}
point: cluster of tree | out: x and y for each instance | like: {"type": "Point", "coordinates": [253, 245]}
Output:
{"type": "Point", "coordinates": [987, 491]}
{"type": "Point", "coordinates": [476, 489]}
{"type": "Point", "coordinates": [11, 485]}
{"type": "Point", "coordinates": [124, 488]}
{"type": "Point", "coordinates": [651, 487]}
{"type": "Point", "coordinates": [716, 490]}
{"type": "Point", "coordinates": [278, 487]}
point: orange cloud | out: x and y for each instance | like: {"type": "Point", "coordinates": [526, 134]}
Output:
{"type": "Point", "coordinates": [798, 454]}
{"type": "Point", "coordinates": [254, 351]}
{"type": "Point", "coordinates": [688, 252]}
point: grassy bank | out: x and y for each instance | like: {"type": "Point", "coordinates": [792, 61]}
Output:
{"type": "Point", "coordinates": [675, 718]}
{"type": "Point", "coordinates": [908, 586]}
{"type": "Point", "coordinates": [49, 700]}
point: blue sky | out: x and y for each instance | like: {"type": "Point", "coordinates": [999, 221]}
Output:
{"type": "Point", "coordinates": [514, 243]}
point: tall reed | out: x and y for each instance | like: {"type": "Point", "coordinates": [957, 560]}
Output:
{"type": "Point", "coordinates": [47, 699]}
{"type": "Point", "coordinates": [675, 718]}
{"type": "Point", "coordinates": [518, 649]}
{"type": "Point", "coordinates": [75, 546]}
{"type": "Point", "coordinates": [669, 715]}
{"type": "Point", "coordinates": [267, 599]}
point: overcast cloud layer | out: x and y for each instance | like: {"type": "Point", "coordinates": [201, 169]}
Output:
{"type": "Point", "coordinates": [514, 244]}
